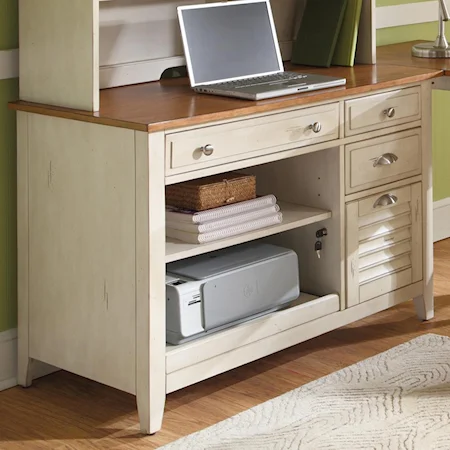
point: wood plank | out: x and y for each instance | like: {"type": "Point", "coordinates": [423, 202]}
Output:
{"type": "Point", "coordinates": [170, 104]}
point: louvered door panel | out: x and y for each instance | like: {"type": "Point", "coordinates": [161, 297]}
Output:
{"type": "Point", "coordinates": [384, 243]}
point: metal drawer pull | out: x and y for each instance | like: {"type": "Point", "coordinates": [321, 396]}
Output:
{"type": "Point", "coordinates": [316, 127]}
{"type": "Point", "coordinates": [207, 149]}
{"type": "Point", "coordinates": [385, 160]}
{"type": "Point", "coordinates": [385, 200]}
{"type": "Point", "coordinates": [390, 112]}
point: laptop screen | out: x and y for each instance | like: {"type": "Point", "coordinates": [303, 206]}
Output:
{"type": "Point", "coordinates": [224, 41]}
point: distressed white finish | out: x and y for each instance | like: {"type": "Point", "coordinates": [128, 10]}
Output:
{"type": "Point", "coordinates": [370, 113]}
{"type": "Point", "coordinates": [362, 172]}
{"type": "Point", "coordinates": [384, 244]}
{"type": "Point", "coordinates": [241, 340]}
{"type": "Point", "coordinates": [425, 302]}
{"type": "Point", "coordinates": [291, 336]}
{"type": "Point", "coordinates": [9, 64]}
{"type": "Point", "coordinates": [92, 248]}
{"type": "Point", "coordinates": [59, 53]}
{"type": "Point", "coordinates": [150, 281]}
{"type": "Point", "coordinates": [234, 141]}
{"type": "Point", "coordinates": [81, 217]}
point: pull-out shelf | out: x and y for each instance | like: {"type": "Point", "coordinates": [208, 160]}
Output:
{"type": "Point", "coordinates": [194, 361]}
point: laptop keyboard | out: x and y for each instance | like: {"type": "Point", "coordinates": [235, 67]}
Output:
{"type": "Point", "coordinates": [255, 81]}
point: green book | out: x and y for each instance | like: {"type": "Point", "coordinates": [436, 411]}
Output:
{"type": "Point", "coordinates": [318, 33]}
{"type": "Point", "coordinates": [344, 53]}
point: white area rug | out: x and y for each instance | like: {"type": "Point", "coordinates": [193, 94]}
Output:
{"type": "Point", "coordinates": [397, 400]}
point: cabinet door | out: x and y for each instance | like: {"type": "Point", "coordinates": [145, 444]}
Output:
{"type": "Point", "coordinates": [384, 243]}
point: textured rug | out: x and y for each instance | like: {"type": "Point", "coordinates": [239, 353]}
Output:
{"type": "Point", "coordinates": [397, 400]}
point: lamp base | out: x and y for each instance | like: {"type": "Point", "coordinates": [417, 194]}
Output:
{"type": "Point", "coordinates": [429, 50]}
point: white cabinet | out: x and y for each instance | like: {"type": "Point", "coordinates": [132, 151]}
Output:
{"type": "Point", "coordinates": [384, 243]}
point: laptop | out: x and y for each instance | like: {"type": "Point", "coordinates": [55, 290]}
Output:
{"type": "Point", "coordinates": [232, 49]}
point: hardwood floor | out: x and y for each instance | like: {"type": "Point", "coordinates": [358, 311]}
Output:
{"type": "Point", "coordinates": [63, 411]}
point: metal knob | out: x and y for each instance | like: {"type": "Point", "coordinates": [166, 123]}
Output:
{"type": "Point", "coordinates": [390, 112]}
{"type": "Point", "coordinates": [207, 150]}
{"type": "Point", "coordinates": [316, 127]}
{"type": "Point", "coordinates": [385, 160]}
{"type": "Point", "coordinates": [385, 200]}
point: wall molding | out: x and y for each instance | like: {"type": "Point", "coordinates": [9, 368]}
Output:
{"type": "Point", "coordinates": [9, 64]}
{"type": "Point", "coordinates": [441, 219]}
{"type": "Point", "coordinates": [8, 361]}
{"type": "Point", "coordinates": [407, 14]}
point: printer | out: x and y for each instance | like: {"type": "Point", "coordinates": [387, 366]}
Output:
{"type": "Point", "coordinates": [219, 289]}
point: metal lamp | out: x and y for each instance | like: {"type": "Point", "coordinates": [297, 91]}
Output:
{"type": "Point", "coordinates": [439, 48]}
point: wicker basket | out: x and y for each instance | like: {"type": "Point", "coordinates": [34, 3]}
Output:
{"type": "Point", "coordinates": [211, 192]}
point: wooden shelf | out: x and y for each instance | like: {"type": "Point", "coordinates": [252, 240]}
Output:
{"type": "Point", "coordinates": [294, 216]}
{"type": "Point", "coordinates": [217, 352]}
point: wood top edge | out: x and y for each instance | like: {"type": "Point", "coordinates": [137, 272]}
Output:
{"type": "Point", "coordinates": [164, 106]}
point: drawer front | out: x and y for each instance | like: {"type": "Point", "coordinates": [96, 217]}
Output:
{"type": "Point", "coordinates": [384, 243]}
{"type": "Point", "coordinates": [382, 160]}
{"type": "Point", "coordinates": [220, 144]}
{"type": "Point", "coordinates": [382, 110]}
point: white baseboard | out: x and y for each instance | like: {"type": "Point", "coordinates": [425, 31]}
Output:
{"type": "Point", "coordinates": [441, 219]}
{"type": "Point", "coordinates": [8, 361]}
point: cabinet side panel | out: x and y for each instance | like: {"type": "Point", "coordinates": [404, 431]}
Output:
{"type": "Point", "coordinates": [82, 249]}
{"type": "Point", "coordinates": [59, 53]}
{"type": "Point", "coordinates": [24, 375]}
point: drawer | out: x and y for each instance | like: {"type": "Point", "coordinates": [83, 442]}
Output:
{"type": "Point", "coordinates": [384, 243]}
{"type": "Point", "coordinates": [382, 110]}
{"type": "Point", "coordinates": [203, 358]}
{"type": "Point", "coordinates": [220, 144]}
{"type": "Point", "coordinates": [382, 160]}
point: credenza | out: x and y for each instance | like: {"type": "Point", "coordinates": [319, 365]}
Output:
{"type": "Point", "coordinates": [92, 249]}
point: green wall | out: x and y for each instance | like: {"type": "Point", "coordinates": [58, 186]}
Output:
{"type": "Point", "coordinates": [8, 91]}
